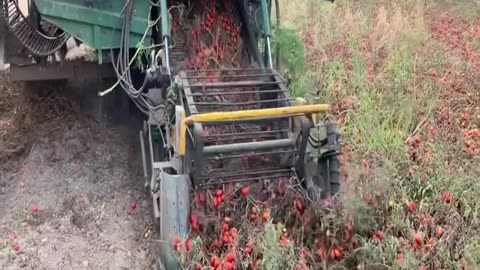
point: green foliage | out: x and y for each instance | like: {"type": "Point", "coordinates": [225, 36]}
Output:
{"type": "Point", "coordinates": [472, 254]}
{"type": "Point", "coordinates": [372, 62]}
{"type": "Point", "coordinates": [272, 255]}
{"type": "Point", "coordinates": [197, 249]}
{"type": "Point", "coordinates": [466, 9]}
{"type": "Point", "coordinates": [476, 44]}
{"type": "Point", "coordinates": [298, 86]}
{"type": "Point", "coordinates": [399, 68]}
{"type": "Point", "coordinates": [358, 66]}
{"type": "Point", "coordinates": [363, 216]}
{"type": "Point", "coordinates": [275, 257]}
{"type": "Point", "coordinates": [292, 50]}
{"type": "Point", "coordinates": [332, 78]}
{"type": "Point", "coordinates": [385, 253]}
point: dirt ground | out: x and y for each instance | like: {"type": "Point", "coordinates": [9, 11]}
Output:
{"type": "Point", "coordinates": [65, 200]}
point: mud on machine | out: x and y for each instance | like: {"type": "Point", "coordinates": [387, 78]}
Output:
{"type": "Point", "coordinates": [204, 126]}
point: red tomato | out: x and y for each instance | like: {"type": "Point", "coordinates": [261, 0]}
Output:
{"type": "Point", "coordinates": [245, 191]}
{"type": "Point", "coordinates": [302, 254]}
{"type": "Point", "coordinates": [447, 197]}
{"type": "Point", "coordinates": [378, 235]}
{"type": "Point", "coordinates": [256, 264]}
{"type": "Point", "coordinates": [215, 261]}
{"type": "Point", "coordinates": [418, 239]}
{"type": "Point", "coordinates": [338, 253]}
{"type": "Point", "coordinates": [189, 244]}
{"type": "Point", "coordinates": [412, 206]}
{"type": "Point", "coordinates": [247, 251]}
{"type": "Point", "coordinates": [400, 259]}
{"type": "Point", "coordinates": [299, 206]}
{"type": "Point", "coordinates": [198, 266]}
{"type": "Point", "coordinates": [225, 239]}
{"type": "Point", "coordinates": [322, 253]}
{"type": "Point", "coordinates": [422, 217]}
{"type": "Point", "coordinates": [35, 208]}
{"type": "Point", "coordinates": [284, 242]}
{"type": "Point", "coordinates": [234, 232]}
{"type": "Point", "coordinates": [230, 257]}
{"type": "Point", "coordinates": [265, 216]}
{"type": "Point", "coordinates": [176, 241]}
{"type": "Point", "coordinates": [228, 266]}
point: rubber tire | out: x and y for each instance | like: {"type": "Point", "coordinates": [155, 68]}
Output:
{"type": "Point", "coordinates": [331, 170]}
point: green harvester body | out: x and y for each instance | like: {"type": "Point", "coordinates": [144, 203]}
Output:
{"type": "Point", "coordinates": [97, 23]}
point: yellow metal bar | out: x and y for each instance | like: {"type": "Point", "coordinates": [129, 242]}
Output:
{"type": "Point", "coordinates": [260, 113]}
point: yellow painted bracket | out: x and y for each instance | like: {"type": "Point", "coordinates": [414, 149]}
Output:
{"type": "Point", "coordinates": [183, 134]}
{"type": "Point", "coordinates": [246, 114]}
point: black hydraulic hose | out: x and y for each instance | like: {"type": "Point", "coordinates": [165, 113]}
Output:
{"type": "Point", "coordinates": [251, 46]}
{"type": "Point", "coordinates": [122, 64]}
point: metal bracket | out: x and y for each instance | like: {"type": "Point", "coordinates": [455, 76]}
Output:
{"type": "Point", "coordinates": [156, 207]}
{"type": "Point", "coordinates": [305, 133]}
{"type": "Point", "coordinates": [144, 157]}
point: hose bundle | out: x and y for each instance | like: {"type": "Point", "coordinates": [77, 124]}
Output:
{"type": "Point", "coordinates": [123, 62]}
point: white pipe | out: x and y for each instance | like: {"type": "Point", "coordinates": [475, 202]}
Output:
{"type": "Point", "coordinates": [269, 53]}
{"type": "Point", "coordinates": [167, 58]}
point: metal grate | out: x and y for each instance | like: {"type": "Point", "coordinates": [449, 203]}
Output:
{"type": "Point", "coordinates": [247, 149]}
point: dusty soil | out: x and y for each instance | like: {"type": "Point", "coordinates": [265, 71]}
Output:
{"type": "Point", "coordinates": [64, 202]}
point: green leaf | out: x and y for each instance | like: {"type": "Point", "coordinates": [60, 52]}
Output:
{"type": "Point", "coordinates": [292, 50]}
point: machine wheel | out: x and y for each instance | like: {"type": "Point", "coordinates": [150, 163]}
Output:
{"type": "Point", "coordinates": [329, 177]}
{"type": "Point", "coordinates": [322, 165]}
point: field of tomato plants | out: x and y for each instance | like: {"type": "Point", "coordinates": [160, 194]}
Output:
{"type": "Point", "coordinates": [403, 80]}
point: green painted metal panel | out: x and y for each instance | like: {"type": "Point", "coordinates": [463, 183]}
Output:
{"type": "Point", "coordinates": [96, 22]}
